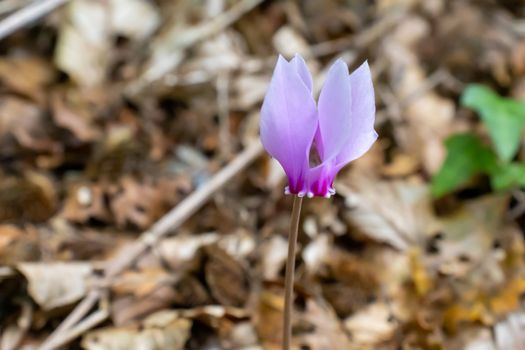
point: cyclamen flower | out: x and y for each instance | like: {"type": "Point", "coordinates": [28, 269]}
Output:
{"type": "Point", "coordinates": [340, 128]}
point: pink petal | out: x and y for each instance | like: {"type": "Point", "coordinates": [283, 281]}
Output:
{"type": "Point", "coordinates": [321, 179]}
{"type": "Point", "coordinates": [362, 134]}
{"type": "Point", "coordinates": [356, 131]}
{"type": "Point", "coordinates": [334, 112]}
{"type": "Point", "coordinates": [302, 69]}
{"type": "Point", "coordinates": [288, 122]}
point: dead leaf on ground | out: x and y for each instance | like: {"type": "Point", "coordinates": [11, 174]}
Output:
{"type": "Point", "coordinates": [327, 330]}
{"type": "Point", "coordinates": [33, 74]}
{"type": "Point", "coordinates": [75, 120]}
{"type": "Point", "coordinates": [509, 333]}
{"type": "Point", "coordinates": [31, 197]}
{"type": "Point", "coordinates": [18, 244]}
{"type": "Point", "coordinates": [137, 204]}
{"type": "Point", "coordinates": [226, 277]}
{"type": "Point", "coordinates": [25, 122]}
{"type": "Point", "coordinates": [162, 330]}
{"type": "Point", "coordinates": [397, 212]}
{"type": "Point", "coordinates": [52, 285]}
{"type": "Point", "coordinates": [372, 325]}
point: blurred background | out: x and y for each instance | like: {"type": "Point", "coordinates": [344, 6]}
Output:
{"type": "Point", "coordinates": [114, 112]}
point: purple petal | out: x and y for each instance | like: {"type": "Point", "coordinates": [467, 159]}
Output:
{"type": "Point", "coordinates": [288, 122]}
{"type": "Point", "coordinates": [302, 69]}
{"type": "Point", "coordinates": [321, 179]}
{"type": "Point", "coordinates": [358, 139]}
{"type": "Point", "coordinates": [362, 134]}
{"type": "Point", "coordinates": [334, 112]}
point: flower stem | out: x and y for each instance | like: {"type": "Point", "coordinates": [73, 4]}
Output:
{"type": "Point", "coordinates": [290, 267]}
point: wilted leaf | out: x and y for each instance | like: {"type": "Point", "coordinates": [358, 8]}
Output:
{"type": "Point", "coordinates": [371, 326]}
{"type": "Point", "coordinates": [135, 19]}
{"type": "Point", "coordinates": [18, 245]}
{"type": "Point", "coordinates": [31, 197]}
{"type": "Point", "coordinates": [24, 121]}
{"type": "Point", "coordinates": [138, 204]}
{"type": "Point", "coordinates": [178, 251]}
{"type": "Point", "coordinates": [163, 330]}
{"type": "Point", "coordinates": [33, 73]}
{"type": "Point", "coordinates": [268, 318]}
{"type": "Point", "coordinates": [226, 277]}
{"type": "Point", "coordinates": [509, 333]}
{"type": "Point", "coordinates": [85, 202]}
{"type": "Point", "coordinates": [76, 121]}
{"type": "Point", "coordinates": [56, 284]}
{"type": "Point", "coordinates": [83, 44]}
{"type": "Point", "coordinates": [141, 283]}
{"type": "Point", "coordinates": [396, 212]}
{"type": "Point", "coordinates": [327, 330]}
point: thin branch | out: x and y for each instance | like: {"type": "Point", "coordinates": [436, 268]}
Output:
{"type": "Point", "coordinates": [223, 107]}
{"type": "Point", "coordinates": [7, 6]}
{"type": "Point", "coordinates": [27, 15]}
{"type": "Point", "coordinates": [89, 322]}
{"type": "Point", "coordinates": [74, 317]}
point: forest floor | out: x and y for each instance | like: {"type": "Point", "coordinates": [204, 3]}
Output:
{"type": "Point", "coordinates": [138, 209]}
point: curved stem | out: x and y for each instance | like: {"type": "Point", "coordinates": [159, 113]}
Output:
{"type": "Point", "coordinates": [290, 267]}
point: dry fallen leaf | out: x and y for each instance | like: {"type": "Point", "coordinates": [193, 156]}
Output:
{"type": "Point", "coordinates": [327, 330]}
{"type": "Point", "coordinates": [160, 331]}
{"type": "Point", "coordinates": [52, 285]}
{"type": "Point", "coordinates": [33, 74]}
{"type": "Point", "coordinates": [138, 204]}
{"type": "Point", "coordinates": [76, 121]}
{"type": "Point", "coordinates": [397, 212]}
{"type": "Point", "coordinates": [372, 325]}
{"type": "Point", "coordinates": [135, 19]}
{"type": "Point", "coordinates": [424, 135]}
{"type": "Point", "coordinates": [31, 196]}
{"type": "Point", "coordinates": [509, 333]}
{"type": "Point", "coordinates": [85, 202]}
{"type": "Point", "coordinates": [268, 318]}
{"type": "Point", "coordinates": [24, 121]}
{"type": "Point", "coordinates": [226, 277]}
{"type": "Point", "coordinates": [83, 48]}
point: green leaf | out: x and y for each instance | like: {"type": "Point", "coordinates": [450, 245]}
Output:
{"type": "Point", "coordinates": [466, 157]}
{"type": "Point", "coordinates": [508, 175]}
{"type": "Point", "coordinates": [503, 117]}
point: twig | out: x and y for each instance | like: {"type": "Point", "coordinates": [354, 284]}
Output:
{"type": "Point", "coordinates": [12, 335]}
{"type": "Point", "coordinates": [27, 15]}
{"type": "Point", "coordinates": [223, 107]}
{"type": "Point", "coordinates": [74, 317]}
{"type": "Point", "coordinates": [128, 254]}
{"type": "Point", "coordinates": [7, 6]}
{"type": "Point", "coordinates": [88, 323]}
